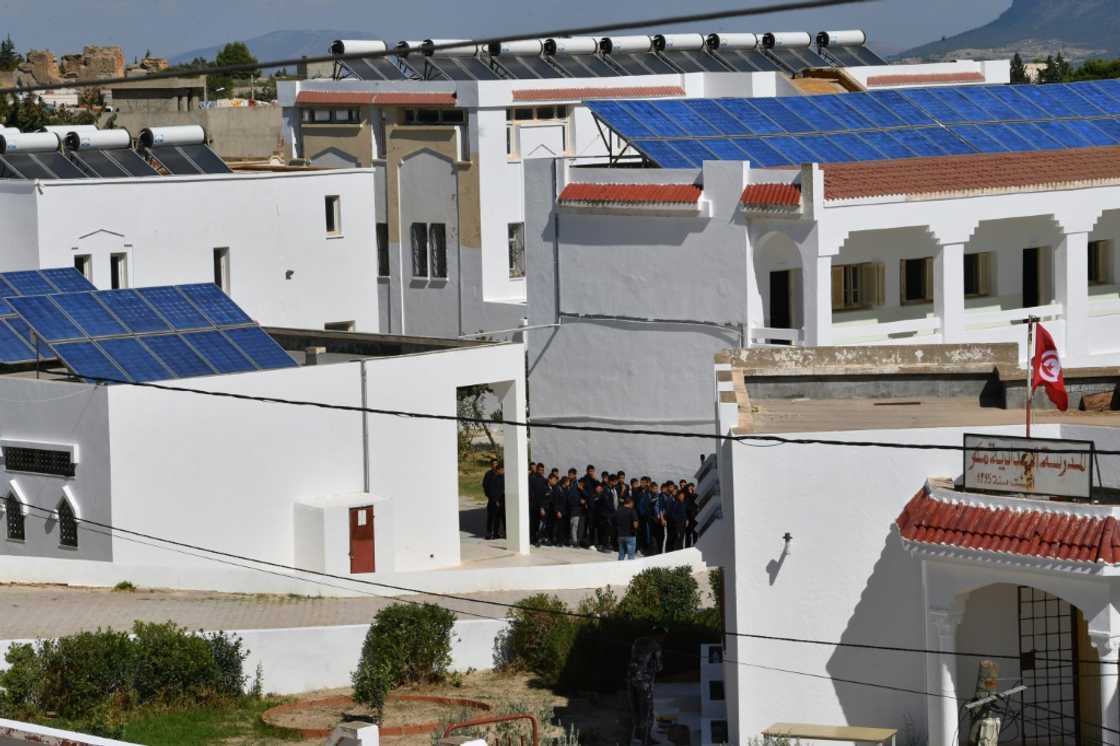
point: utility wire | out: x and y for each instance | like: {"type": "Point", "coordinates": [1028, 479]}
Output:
{"type": "Point", "coordinates": [457, 44]}
{"type": "Point", "coordinates": [744, 439]}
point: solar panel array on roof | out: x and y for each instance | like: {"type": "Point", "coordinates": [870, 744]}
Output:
{"type": "Point", "coordinates": [49, 165]}
{"type": "Point", "coordinates": [879, 125]}
{"type": "Point", "coordinates": [184, 160]}
{"type": "Point", "coordinates": [111, 164]}
{"type": "Point", "coordinates": [136, 335]}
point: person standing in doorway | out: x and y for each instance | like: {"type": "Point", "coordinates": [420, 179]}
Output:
{"type": "Point", "coordinates": [625, 525]}
{"type": "Point", "coordinates": [500, 489]}
{"type": "Point", "coordinates": [490, 489]}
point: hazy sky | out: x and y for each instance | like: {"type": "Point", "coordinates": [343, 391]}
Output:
{"type": "Point", "coordinates": [168, 27]}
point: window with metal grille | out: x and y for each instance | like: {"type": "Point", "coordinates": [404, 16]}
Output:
{"type": "Point", "coordinates": [38, 461]}
{"type": "Point", "coordinates": [419, 233]}
{"type": "Point", "coordinates": [67, 525]}
{"type": "Point", "coordinates": [13, 513]}
{"type": "Point", "coordinates": [437, 240]}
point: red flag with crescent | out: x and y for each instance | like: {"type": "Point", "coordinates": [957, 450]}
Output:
{"type": "Point", "coordinates": [1047, 369]}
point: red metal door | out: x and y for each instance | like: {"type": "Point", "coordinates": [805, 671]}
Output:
{"type": "Point", "coordinates": [361, 539]}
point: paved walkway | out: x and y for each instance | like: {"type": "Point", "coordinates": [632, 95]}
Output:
{"type": "Point", "coordinates": [28, 611]}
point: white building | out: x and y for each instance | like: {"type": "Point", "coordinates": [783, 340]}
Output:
{"type": "Point", "coordinates": [861, 547]}
{"type": "Point", "coordinates": [448, 132]}
{"type": "Point", "coordinates": [295, 247]}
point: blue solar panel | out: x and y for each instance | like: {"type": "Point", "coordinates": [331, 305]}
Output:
{"type": "Point", "coordinates": [900, 107]}
{"type": "Point", "coordinates": [686, 119]}
{"type": "Point", "coordinates": [46, 320]}
{"type": "Point", "coordinates": [67, 279]}
{"type": "Point", "coordinates": [836, 108]}
{"type": "Point", "coordinates": [793, 150]}
{"type": "Point", "coordinates": [23, 329]}
{"type": "Point", "coordinates": [217, 306]}
{"type": "Point", "coordinates": [759, 153]}
{"type": "Point", "coordinates": [917, 143]}
{"type": "Point", "coordinates": [1110, 87]}
{"type": "Point", "coordinates": [931, 103]}
{"type": "Point", "coordinates": [1111, 127]}
{"type": "Point", "coordinates": [978, 138]}
{"type": "Point", "coordinates": [1071, 100]}
{"type": "Point", "coordinates": [694, 150]}
{"type": "Point", "coordinates": [1006, 134]}
{"type": "Point", "coordinates": [860, 149]}
{"type": "Point", "coordinates": [134, 359]}
{"type": "Point", "coordinates": [754, 120]}
{"type": "Point", "coordinates": [888, 145]}
{"type": "Point", "coordinates": [177, 355]}
{"type": "Point", "coordinates": [174, 307]}
{"type": "Point", "coordinates": [87, 361]}
{"type": "Point", "coordinates": [90, 315]}
{"type": "Point", "coordinates": [663, 154]}
{"type": "Point", "coordinates": [1032, 132]}
{"type": "Point", "coordinates": [1099, 97]}
{"type": "Point", "coordinates": [5, 308]}
{"type": "Point", "coordinates": [872, 110]}
{"type": "Point", "coordinates": [260, 347]}
{"type": "Point", "coordinates": [1046, 100]}
{"type": "Point", "coordinates": [1022, 105]}
{"type": "Point", "coordinates": [1088, 131]}
{"type": "Point", "coordinates": [654, 120]}
{"type": "Point", "coordinates": [720, 118]}
{"type": "Point", "coordinates": [828, 150]}
{"type": "Point", "coordinates": [13, 349]}
{"type": "Point", "coordinates": [807, 109]}
{"type": "Point", "coordinates": [968, 110]}
{"type": "Point", "coordinates": [6, 288]}
{"type": "Point", "coordinates": [1063, 135]}
{"type": "Point", "coordinates": [774, 109]}
{"type": "Point", "coordinates": [947, 141]}
{"type": "Point", "coordinates": [137, 315]}
{"type": "Point", "coordinates": [29, 282]}
{"type": "Point", "coordinates": [725, 150]}
{"type": "Point", "coordinates": [219, 352]}
{"type": "Point", "coordinates": [621, 121]}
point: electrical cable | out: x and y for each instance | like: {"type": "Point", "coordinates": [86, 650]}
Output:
{"type": "Point", "coordinates": [743, 439]}
{"type": "Point", "coordinates": [457, 44]}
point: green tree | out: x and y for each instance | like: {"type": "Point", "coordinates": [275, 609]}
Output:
{"type": "Point", "coordinates": [1056, 70]}
{"type": "Point", "coordinates": [234, 53]}
{"type": "Point", "coordinates": [1019, 70]}
{"type": "Point", "coordinates": [9, 58]}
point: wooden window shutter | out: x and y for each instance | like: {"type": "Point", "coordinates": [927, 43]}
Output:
{"type": "Point", "coordinates": [927, 266]}
{"type": "Point", "coordinates": [837, 288]}
{"type": "Point", "coordinates": [902, 281]}
{"type": "Point", "coordinates": [873, 279]}
{"type": "Point", "coordinates": [984, 270]}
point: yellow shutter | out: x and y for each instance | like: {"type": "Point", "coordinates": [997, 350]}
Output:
{"type": "Point", "coordinates": [837, 288]}
{"type": "Point", "coordinates": [984, 269]}
{"type": "Point", "coordinates": [927, 264]}
{"type": "Point", "coordinates": [873, 279]}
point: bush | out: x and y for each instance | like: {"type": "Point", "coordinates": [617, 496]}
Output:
{"type": "Point", "coordinates": [407, 644]}
{"type": "Point", "coordinates": [230, 659]}
{"type": "Point", "coordinates": [661, 596]}
{"type": "Point", "coordinates": [83, 672]}
{"type": "Point", "coordinates": [541, 636]}
{"type": "Point", "coordinates": [173, 665]}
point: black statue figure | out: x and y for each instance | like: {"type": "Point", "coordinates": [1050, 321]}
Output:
{"type": "Point", "coordinates": [645, 662]}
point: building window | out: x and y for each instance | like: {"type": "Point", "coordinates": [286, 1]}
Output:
{"type": "Point", "coordinates": [333, 205]}
{"type": "Point", "coordinates": [539, 114]}
{"type": "Point", "coordinates": [221, 268]}
{"type": "Point", "coordinates": [437, 240]}
{"type": "Point", "coordinates": [13, 512]}
{"type": "Point", "coordinates": [715, 691]}
{"type": "Point", "coordinates": [84, 264]}
{"type": "Point", "coordinates": [856, 286]}
{"type": "Point", "coordinates": [516, 233]}
{"type": "Point", "coordinates": [345, 115]}
{"type": "Point", "coordinates": [419, 234]}
{"type": "Point", "coordinates": [118, 271]}
{"type": "Point", "coordinates": [339, 326]}
{"type": "Point", "coordinates": [382, 249]}
{"type": "Point", "coordinates": [1100, 262]}
{"type": "Point", "coordinates": [67, 525]}
{"type": "Point", "coordinates": [54, 463]}
{"type": "Point", "coordinates": [321, 115]}
{"type": "Point", "coordinates": [916, 281]}
{"type": "Point", "coordinates": [977, 275]}
{"type": "Point", "coordinates": [434, 116]}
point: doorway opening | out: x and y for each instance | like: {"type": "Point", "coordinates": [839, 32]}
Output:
{"type": "Point", "coordinates": [781, 301]}
{"type": "Point", "coordinates": [481, 456]}
{"type": "Point", "coordinates": [1032, 277]}
{"type": "Point", "coordinates": [361, 540]}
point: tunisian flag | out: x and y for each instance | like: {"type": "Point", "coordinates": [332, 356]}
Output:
{"type": "Point", "coordinates": [1048, 369]}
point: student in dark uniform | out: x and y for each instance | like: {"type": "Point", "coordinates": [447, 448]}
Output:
{"type": "Point", "coordinates": [692, 507]}
{"type": "Point", "coordinates": [625, 524]}
{"type": "Point", "coordinates": [658, 504]}
{"type": "Point", "coordinates": [493, 485]}
{"type": "Point", "coordinates": [576, 506]}
{"type": "Point", "coordinates": [558, 510]}
{"type": "Point", "coordinates": [538, 496]}
{"type": "Point", "coordinates": [678, 518]}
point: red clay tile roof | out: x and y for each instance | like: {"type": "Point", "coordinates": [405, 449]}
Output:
{"type": "Point", "coordinates": [881, 80]}
{"type": "Point", "coordinates": [1049, 534]}
{"type": "Point", "coordinates": [580, 94]}
{"type": "Point", "coordinates": [364, 98]}
{"type": "Point", "coordinates": [772, 195]}
{"type": "Point", "coordinates": [970, 173]}
{"type": "Point", "coordinates": [632, 193]}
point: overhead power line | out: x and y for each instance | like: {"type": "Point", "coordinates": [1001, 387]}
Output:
{"type": "Point", "coordinates": [745, 439]}
{"type": "Point", "coordinates": [597, 28]}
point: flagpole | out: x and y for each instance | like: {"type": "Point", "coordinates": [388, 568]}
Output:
{"type": "Point", "coordinates": [1030, 370]}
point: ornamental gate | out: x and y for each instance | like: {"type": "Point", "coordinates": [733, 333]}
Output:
{"type": "Point", "coordinates": [1048, 655]}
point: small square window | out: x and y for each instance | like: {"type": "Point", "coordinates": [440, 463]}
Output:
{"type": "Point", "coordinates": [322, 115]}
{"type": "Point", "coordinates": [339, 326]}
{"type": "Point", "coordinates": [523, 114]}
{"type": "Point", "coordinates": [916, 280]}
{"type": "Point", "coordinates": [977, 275]}
{"type": "Point", "coordinates": [84, 264]}
{"type": "Point", "coordinates": [451, 116]}
{"type": "Point", "coordinates": [546, 112]}
{"type": "Point", "coordinates": [333, 205]}
{"type": "Point", "coordinates": [382, 249]}
{"type": "Point", "coordinates": [307, 115]}
{"type": "Point", "coordinates": [715, 691]}
{"type": "Point", "coordinates": [427, 116]}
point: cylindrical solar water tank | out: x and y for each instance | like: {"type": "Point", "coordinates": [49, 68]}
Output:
{"type": "Point", "coordinates": [62, 129]}
{"type": "Point", "coordinates": [786, 39]}
{"type": "Point", "coordinates": [462, 48]}
{"type": "Point", "coordinates": [357, 46]}
{"type": "Point", "coordinates": [666, 42]}
{"type": "Point", "coordinates": [732, 41]}
{"type": "Point", "coordinates": [625, 44]}
{"type": "Point", "coordinates": [404, 47]}
{"type": "Point", "coordinates": [853, 38]}
{"type": "Point", "coordinates": [571, 45]}
{"type": "Point", "coordinates": [523, 48]}
{"type": "Point", "coordinates": [115, 139]}
{"type": "Point", "coordinates": [181, 134]}
{"type": "Point", "coordinates": [30, 142]}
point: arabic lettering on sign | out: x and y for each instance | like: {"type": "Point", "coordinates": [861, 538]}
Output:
{"type": "Point", "coordinates": [1030, 466]}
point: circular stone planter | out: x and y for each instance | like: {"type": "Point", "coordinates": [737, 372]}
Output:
{"type": "Point", "coordinates": [342, 702]}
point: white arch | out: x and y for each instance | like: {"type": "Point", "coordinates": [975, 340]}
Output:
{"type": "Point", "coordinates": [68, 496]}
{"type": "Point", "coordinates": [17, 492]}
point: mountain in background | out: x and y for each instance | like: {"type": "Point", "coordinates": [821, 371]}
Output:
{"type": "Point", "coordinates": [280, 45]}
{"type": "Point", "coordinates": [1079, 29]}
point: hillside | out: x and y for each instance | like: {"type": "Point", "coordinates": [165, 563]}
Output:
{"type": "Point", "coordinates": [1035, 28]}
{"type": "Point", "coordinates": [280, 45]}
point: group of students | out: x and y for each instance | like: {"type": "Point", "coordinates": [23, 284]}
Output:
{"type": "Point", "coordinates": [607, 513]}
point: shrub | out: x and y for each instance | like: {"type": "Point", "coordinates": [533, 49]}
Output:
{"type": "Point", "coordinates": [125, 586]}
{"type": "Point", "coordinates": [661, 596]}
{"type": "Point", "coordinates": [84, 671]}
{"type": "Point", "coordinates": [407, 644]}
{"type": "Point", "coordinates": [541, 636]}
{"type": "Point", "coordinates": [230, 658]}
{"type": "Point", "coordinates": [172, 664]}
